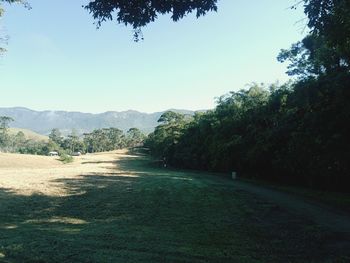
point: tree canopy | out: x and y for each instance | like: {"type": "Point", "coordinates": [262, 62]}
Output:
{"type": "Point", "coordinates": [25, 3]}
{"type": "Point", "coordinates": [326, 49]}
{"type": "Point", "coordinates": [325, 17]}
{"type": "Point", "coordinates": [138, 14]}
{"type": "Point", "coordinates": [330, 19]}
{"type": "Point", "coordinates": [295, 132]}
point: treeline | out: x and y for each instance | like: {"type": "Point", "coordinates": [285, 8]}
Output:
{"type": "Point", "coordinates": [292, 133]}
{"type": "Point", "coordinates": [99, 140]}
{"type": "Point", "coordinates": [296, 132]}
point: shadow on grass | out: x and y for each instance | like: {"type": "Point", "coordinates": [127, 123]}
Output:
{"type": "Point", "coordinates": [138, 212]}
{"type": "Point", "coordinates": [99, 162]}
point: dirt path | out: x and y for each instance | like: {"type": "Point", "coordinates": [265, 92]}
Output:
{"type": "Point", "coordinates": [320, 214]}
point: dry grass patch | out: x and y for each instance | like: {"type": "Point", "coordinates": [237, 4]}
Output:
{"type": "Point", "coordinates": [31, 174]}
{"type": "Point", "coordinates": [29, 135]}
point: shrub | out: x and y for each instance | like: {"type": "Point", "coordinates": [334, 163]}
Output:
{"type": "Point", "coordinates": [65, 158]}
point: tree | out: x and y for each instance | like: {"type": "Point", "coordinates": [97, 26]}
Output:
{"type": "Point", "coordinates": [116, 138]}
{"type": "Point", "coordinates": [326, 50]}
{"type": "Point", "coordinates": [25, 3]}
{"type": "Point", "coordinates": [3, 39]}
{"type": "Point", "coordinates": [107, 139]}
{"type": "Point", "coordinates": [325, 17]}
{"type": "Point", "coordinates": [7, 1]}
{"type": "Point", "coordinates": [4, 125]}
{"type": "Point", "coordinates": [73, 143]}
{"type": "Point", "coordinates": [135, 137]}
{"type": "Point", "coordinates": [97, 141]}
{"type": "Point", "coordinates": [329, 24]}
{"type": "Point", "coordinates": [170, 117]}
{"type": "Point", "coordinates": [313, 57]}
{"type": "Point", "coordinates": [17, 141]}
{"type": "Point", "coordinates": [330, 19]}
{"type": "Point", "coordinates": [56, 136]}
{"type": "Point", "coordinates": [139, 14]}
{"type": "Point", "coordinates": [166, 135]}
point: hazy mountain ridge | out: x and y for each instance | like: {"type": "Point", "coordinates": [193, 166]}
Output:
{"type": "Point", "coordinates": [43, 122]}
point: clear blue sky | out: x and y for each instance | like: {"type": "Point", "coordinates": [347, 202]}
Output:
{"type": "Point", "coordinates": [57, 60]}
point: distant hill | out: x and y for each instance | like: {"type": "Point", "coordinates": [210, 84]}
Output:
{"type": "Point", "coordinates": [29, 135]}
{"type": "Point", "coordinates": [43, 122]}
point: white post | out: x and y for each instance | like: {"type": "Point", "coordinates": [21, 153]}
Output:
{"type": "Point", "coordinates": [234, 175]}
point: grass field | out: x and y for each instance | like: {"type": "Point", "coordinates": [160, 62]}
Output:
{"type": "Point", "coordinates": [337, 200]}
{"type": "Point", "coordinates": [115, 207]}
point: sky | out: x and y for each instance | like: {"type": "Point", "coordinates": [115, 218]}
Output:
{"type": "Point", "coordinates": [58, 60]}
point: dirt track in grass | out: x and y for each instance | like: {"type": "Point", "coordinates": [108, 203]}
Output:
{"type": "Point", "coordinates": [115, 207]}
{"type": "Point", "coordinates": [323, 215]}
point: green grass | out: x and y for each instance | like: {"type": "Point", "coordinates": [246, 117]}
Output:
{"type": "Point", "coordinates": [156, 216]}
{"type": "Point", "coordinates": [337, 200]}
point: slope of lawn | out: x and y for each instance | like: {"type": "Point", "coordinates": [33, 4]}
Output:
{"type": "Point", "coordinates": [134, 211]}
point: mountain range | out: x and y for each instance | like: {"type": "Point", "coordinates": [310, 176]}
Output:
{"type": "Point", "coordinates": [43, 122]}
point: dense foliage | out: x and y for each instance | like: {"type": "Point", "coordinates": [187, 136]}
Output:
{"type": "Point", "coordinates": [140, 13]}
{"type": "Point", "coordinates": [100, 140]}
{"type": "Point", "coordinates": [292, 133]}
{"type": "Point", "coordinates": [296, 132]}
